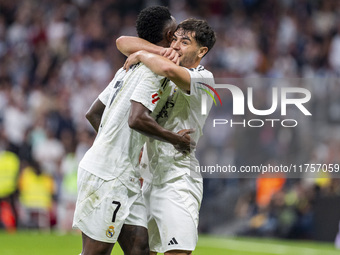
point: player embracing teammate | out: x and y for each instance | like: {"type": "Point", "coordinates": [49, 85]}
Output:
{"type": "Point", "coordinates": [163, 104]}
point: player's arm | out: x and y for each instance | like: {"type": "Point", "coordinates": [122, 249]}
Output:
{"type": "Point", "coordinates": [130, 44]}
{"type": "Point", "coordinates": [95, 113]}
{"type": "Point", "coordinates": [161, 66]}
{"type": "Point", "coordinates": [141, 121]}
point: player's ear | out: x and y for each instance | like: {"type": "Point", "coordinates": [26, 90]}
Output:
{"type": "Point", "coordinates": [169, 35]}
{"type": "Point", "coordinates": [202, 51]}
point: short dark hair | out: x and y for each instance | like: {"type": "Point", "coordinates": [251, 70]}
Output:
{"type": "Point", "coordinates": [151, 22]}
{"type": "Point", "coordinates": [204, 35]}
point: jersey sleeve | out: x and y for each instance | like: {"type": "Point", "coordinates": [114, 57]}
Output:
{"type": "Point", "coordinates": [148, 90]}
{"type": "Point", "coordinates": [104, 96]}
{"type": "Point", "coordinates": [201, 82]}
{"type": "Point", "coordinates": [200, 79]}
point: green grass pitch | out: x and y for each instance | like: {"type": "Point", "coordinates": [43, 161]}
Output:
{"type": "Point", "coordinates": [37, 243]}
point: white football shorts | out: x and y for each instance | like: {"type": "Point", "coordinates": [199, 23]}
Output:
{"type": "Point", "coordinates": [104, 206]}
{"type": "Point", "coordinates": [173, 210]}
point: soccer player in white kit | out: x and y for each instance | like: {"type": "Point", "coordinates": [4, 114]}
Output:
{"type": "Point", "coordinates": [108, 184]}
{"type": "Point", "coordinates": [174, 196]}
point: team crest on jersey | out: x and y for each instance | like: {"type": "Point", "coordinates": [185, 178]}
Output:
{"type": "Point", "coordinates": [110, 232]}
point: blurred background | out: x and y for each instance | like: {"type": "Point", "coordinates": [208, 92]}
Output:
{"type": "Point", "coordinates": [56, 56]}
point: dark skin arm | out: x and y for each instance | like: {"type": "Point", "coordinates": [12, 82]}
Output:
{"type": "Point", "coordinates": [141, 121]}
{"type": "Point", "coordinates": [94, 114]}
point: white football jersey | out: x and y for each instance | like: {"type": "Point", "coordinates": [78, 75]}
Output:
{"type": "Point", "coordinates": [177, 110]}
{"type": "Point", "coordinates": [115, 151]}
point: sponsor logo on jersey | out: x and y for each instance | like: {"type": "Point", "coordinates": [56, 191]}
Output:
{"type": "Point", "coordinates": [110, 232]}
{"type": "Point", "coordinates": [164, 113]}
{"type": "Point", "coordinates": [155, 98]}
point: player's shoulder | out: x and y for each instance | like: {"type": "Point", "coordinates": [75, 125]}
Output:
{"type": "Point", "coordinates": [120, 71]}
{"type": "Point", "coordinates": [201, 71]}
{"type": "Point", "coordinates": [139, 69]}
{"type": "Point", "coordinates": [148, 74]}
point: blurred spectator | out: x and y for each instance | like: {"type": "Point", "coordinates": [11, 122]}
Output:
{"type": "Point", "coordinates": [16, 120]}
{"type": "Point", "coordinates": [68, 189]}
{"type": "Point", "coordinates": [334, 51]}
{"type": "Point", "coordinates": [49, 153]}
{"type": "Point", "coordinates": [36, 190]}
{"type": "Point", "coordinates": [9, 171]}
{"type": "Point", "coordinates": [266, 187]}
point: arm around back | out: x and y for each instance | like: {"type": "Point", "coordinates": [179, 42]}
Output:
{"type": "Point", "coordinates": [95, 113]}
{"type": "Point", "coordinates": [130, 44]}
{"type": "Point", "coordinates": [141, 121]}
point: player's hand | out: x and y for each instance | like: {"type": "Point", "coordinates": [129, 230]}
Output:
{"type": "Point", "coordinates": [170, 54]}
{"type": "Point", "coordinates": [186, 144]}
{"type": "Point", "coordinates": [131, 60]}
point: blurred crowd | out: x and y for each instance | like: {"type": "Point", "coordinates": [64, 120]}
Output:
{"type": "Point", "coordinates": [56, 56]}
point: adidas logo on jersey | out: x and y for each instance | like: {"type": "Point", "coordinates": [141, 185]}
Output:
{"type": "Point", "coordinates": [173, 241]}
